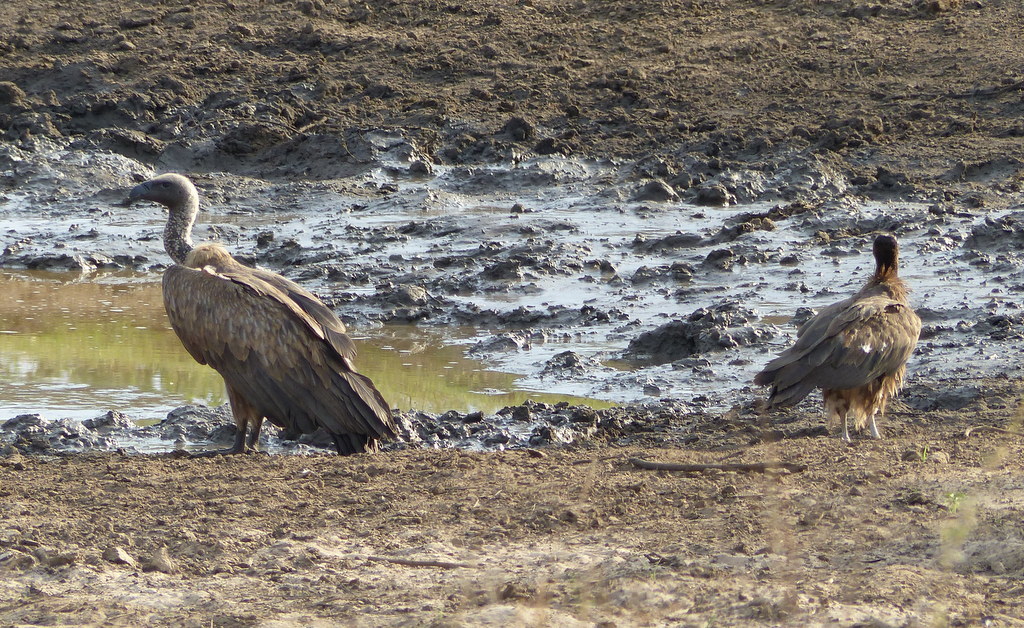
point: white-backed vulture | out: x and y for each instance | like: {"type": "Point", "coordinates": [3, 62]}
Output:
{"type": "Point", "coordinates": [855, 351]}
{"type": "Point", "coordinates": [283, 354]}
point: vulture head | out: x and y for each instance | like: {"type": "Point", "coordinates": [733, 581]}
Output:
{"type": "Point", "coordinates": [887, 255]}
{"type": "Point", "coordinates": [181, 199]}
{"type": "Point", "coordinates": [170, 190]}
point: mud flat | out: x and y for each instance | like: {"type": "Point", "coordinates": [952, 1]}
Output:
{"type": "Point", "coordinates": [630, 204]}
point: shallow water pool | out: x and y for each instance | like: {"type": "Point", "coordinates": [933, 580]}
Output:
{"type": "Point", "coordinates": [74, 345]}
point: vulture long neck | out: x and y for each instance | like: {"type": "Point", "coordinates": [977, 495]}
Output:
{"type": "Point", "coordinates": [178, 230]}
{"type": "Point", "coordinates": [887, 266]}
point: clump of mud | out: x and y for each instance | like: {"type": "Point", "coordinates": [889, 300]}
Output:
{"type": "Point", "coordinates": [706, 330]}
{"type": "Point", "coordinates": [529, 425]}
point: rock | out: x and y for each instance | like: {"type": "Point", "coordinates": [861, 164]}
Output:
{"type": "Point", "coordinates": [23, 421]}
{"type": "Point", "coordinates": [718, 328]}
{"type": "Point", "coordinates": [421, 167]}
{"type": "Point", "coordinates": [56, 560]}
{"type": "Point", "coordinates": [11, 94]}
{"type": "Point", "coordinates": [552, 146]}
{"type": "Point", "coordinates": [409, 295]}
{"type": "Point", "coordinates": [657, 191]}
{"type": "Point", "coordinates": [14, 560]}
{"type": "Point", "coordinates": [939, 6]}
{"type": "Point", "coordinates": [715, 195]}
{"type": "Point", "coordinates": [679, 272]}
{"type": "Point", "coordinates": [161, 561]}
{"type": "Point", "coordinates": [508, 270]}
{"type": "Point", "coordinates": [510, 341]}
{"type": "Point", "coordinates": [119, 556]}
{"type": "Point", "coordinates": [111, 421]}
{"type": "Point", "coordinates": [672, 242]}
{"type": "Point", "coordinates": [722, 259]}
{"type": "Point", "coordinates": [568, 363]}
{"type": "Point", "coordinates": [519, 129]}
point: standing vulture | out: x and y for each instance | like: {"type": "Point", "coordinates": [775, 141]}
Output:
{"type": "Point", "coordinates": [283, 354]}
{"type": "Point", "coordinates": [855, 351]}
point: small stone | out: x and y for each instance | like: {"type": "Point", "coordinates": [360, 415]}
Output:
{"type": "Point", "coordinates": [161, 561]}
{"type": "Point", "coordinates": [715, 195]}
{"type": "Point", "coordinates": [410, 295]}
{"type": "Point", "coordinates": [11, 94]}
{"type": "Point", "coordinates": [552, 146]}
{"type": "Point", "coordinates": [61, 560]}
{"type": "Point", "coordinates": [519, 129]}
{"type": "Point", "coordinates": [421, 167]}
{"type": "Point", "coordinates": [118, 556]}
{"type": "Point", "coordinates": [656, 190]}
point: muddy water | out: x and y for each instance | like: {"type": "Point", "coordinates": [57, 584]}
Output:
{"type": "Point", "coordinates": [581, 241]}
{"type": "Point", "coordinates": [74, 345]}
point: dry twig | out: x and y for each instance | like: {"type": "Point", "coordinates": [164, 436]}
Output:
{"type": "Point", "coordinates": [989, 428]}
{"type": "Point", "coordinates": [412, 562]}
{"type": "Point", "coordinates": [751, 467]}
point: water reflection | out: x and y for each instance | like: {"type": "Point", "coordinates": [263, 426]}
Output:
{"type": "Point", "coordinates": [75, 346]}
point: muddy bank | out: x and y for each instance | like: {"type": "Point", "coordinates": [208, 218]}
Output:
{"type": "Point", "coordinates": [886, 98]}
{"type": "Point", "coordinates": [531, 176]}
{"type": "Point", "coordinates": [920, 526]}
{"type": "Point", "coordinates": [569, 280]}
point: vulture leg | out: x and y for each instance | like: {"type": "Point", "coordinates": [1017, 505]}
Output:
{"type": "Point", "coordinates": [243, 413]}
{"type": "Point", "coordinates": [253, 444]}
{"type": "Point", "coordinates": [845, 418]}
{"type": "Point", "coordinates": [236, 448]}
{"type": "Point", "coordinates": [874, 428]}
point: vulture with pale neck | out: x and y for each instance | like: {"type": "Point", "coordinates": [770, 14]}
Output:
{"type": "Point", "coordinates": [283, 354]}
{"type": "Point", "coordinates": [855, 351]}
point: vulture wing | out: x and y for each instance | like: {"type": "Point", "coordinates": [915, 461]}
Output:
{"type": "Point", "coordinates": [314, 307]}
{"type": "Point", "coordinates": [270, 349]}
{"type": "Point", "coordinates": [847, 345]}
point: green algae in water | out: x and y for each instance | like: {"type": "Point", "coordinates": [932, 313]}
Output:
{"type": "Point", "coordinates": [74, 346]}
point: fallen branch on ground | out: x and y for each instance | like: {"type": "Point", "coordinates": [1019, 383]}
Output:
{"type": "Point", "coordinates": [989, 428]}
{"type": "Point", "coordinates": [412, 562]}
{"type": "Point", "coordinates": [752, 467]}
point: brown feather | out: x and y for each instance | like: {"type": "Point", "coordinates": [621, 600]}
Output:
{"type": "Point", "coordinates": [855, 350]}
{"type": "Point", "coordinates": [284, 355]}
{"type": "Point", "coordinates": [285, 361]}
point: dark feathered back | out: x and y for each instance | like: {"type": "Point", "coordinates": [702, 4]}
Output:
{"type": "Point", "coordinates": [850, 343]}
{"type": "Point", "coordinates": [274, 343]}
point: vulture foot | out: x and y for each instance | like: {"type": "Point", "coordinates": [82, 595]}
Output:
{"type": "Point", "coordinates": [240, 446]}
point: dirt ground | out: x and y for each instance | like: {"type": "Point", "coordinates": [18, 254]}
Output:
{"type": "Point", "coordinates": [900, 100]}
{"type": "Point", "coordinates": [919, 529]}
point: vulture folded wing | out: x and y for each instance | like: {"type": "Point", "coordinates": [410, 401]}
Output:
{"type": "Point", "coordinates": [271, 351]}
{"type": "Point", "coordinates": [334, 329]}
{"type": "Point", "coordinates": [809, 336]}
{"type": "Point", "coordinates": [873, 337]}
{"type": "Point", "coordinates": [847, 345]}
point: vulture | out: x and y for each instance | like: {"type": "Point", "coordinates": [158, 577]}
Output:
{"type": "Point", "coordinates": [283, 354]}
{"type": "Point", "coordinates": [855, 351]}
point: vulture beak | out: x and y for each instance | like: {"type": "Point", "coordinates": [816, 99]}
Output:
{"type": "Point", "coordinates": [138, 193]}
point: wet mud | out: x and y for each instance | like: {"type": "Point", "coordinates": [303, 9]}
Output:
{"type": "Point", "coordinates": [635, 205]}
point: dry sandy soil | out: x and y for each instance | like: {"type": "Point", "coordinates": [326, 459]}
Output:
{"type": "Point", "coordinates": [923, 528]}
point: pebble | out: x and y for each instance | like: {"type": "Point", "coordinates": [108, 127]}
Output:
{"type": "Point", "coordinates": [657, 191]}
{"type": "Point", "coordinates": [161, 561]}
{"type": "Point", "coordinates": [119, 556]}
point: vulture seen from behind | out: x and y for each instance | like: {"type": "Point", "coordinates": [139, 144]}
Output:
{"type": "Point", "coordinates": [855, 351]}
{"type": "Point", "coordinates": [283, 354]}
